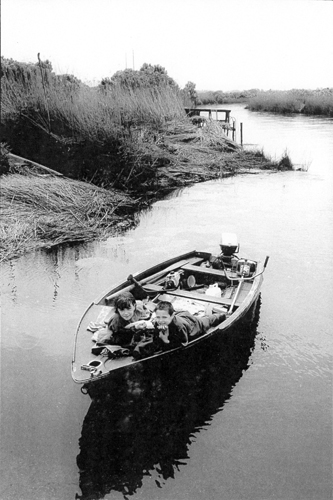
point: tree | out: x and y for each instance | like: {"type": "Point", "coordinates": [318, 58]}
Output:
{"type": "Point", "coordinates": [190, 93]}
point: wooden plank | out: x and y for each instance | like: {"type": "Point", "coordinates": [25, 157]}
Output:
{"type": "Point", "coordinates": [199, 296]}
{"type": "Point", "coordinates": [189, 294]}
{"type": "Point", "coordinates": [203, 270]}
{"type": "Point", "coordinates": [33, 163]}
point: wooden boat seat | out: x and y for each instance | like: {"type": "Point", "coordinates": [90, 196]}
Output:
{"type": "Point", "coordinates": [211, 272]}
{"type": "Point", "coordinates": [190, 295]}
{"type": "Point", "coordinates": [203, 270]}
{"type": "Point", "coordinates": [201, 296]}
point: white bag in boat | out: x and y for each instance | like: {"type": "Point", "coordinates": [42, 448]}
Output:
{"type": "Point", "coordinates": [213, 290]}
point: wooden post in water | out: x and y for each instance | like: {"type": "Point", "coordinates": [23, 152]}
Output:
{"type": "Point", "coordinates": [241, 133]}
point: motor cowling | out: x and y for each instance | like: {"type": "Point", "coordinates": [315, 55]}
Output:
{"type": "Point", "coordinates": [229, 244]}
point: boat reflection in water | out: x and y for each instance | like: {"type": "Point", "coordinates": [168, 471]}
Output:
{"type": "Point", "coordinates": [141, 422]}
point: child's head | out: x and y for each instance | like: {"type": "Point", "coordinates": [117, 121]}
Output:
{"type": "Point", "coordinates": [125, 305]}
{"type": "Point", "coordinates": [164, 313]}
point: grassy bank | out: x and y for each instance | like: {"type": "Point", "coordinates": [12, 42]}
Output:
{"type": "Point", "coordinates": [94, 134]}
{"type": "Point", "coordinates": [309, 102]}
{"type": "Point", "coordinates": [42, 211]}
{"type": "Point", "coordinates": [130, 143]}
{"type": "Point", "coordinates": [319, 102]}
{"type": "Point", "coordinates": [217, 97]}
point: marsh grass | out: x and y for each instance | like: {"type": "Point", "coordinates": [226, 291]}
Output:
{"type": "Point", "coordinates": [319, 102]}
{"type": "Point", "coordinates": [45, 211]}
{"type": "Point", "coordinates": [139, 141]}
{"type": "Point", "coordinates": [87, 113]}
{"type": "Point", "coordinates": [106, 132]}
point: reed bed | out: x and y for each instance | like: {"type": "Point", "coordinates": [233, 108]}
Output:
{"type": "Point", "coordinates": [137, 140]}
{"type": "Point", "coordinates": [106, 131]}
{"type": "Point", "coordinates": [46, 211]}
{"type": "Point", "coordinates": [86, 113]}
{"type": "Point", "coordinates": [319, 102]}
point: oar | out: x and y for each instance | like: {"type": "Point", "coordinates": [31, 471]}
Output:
{"type": "Point", "coordinates": [241, 281]}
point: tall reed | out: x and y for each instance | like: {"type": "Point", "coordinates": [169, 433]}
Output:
{"type": "Point", "coordinates": [318, 102]}
{"type": "Point", "coordinates": [84, 112]}
{"type": "Point", "coordinates": [105, 131]}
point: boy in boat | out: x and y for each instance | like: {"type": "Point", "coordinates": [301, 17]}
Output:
{"type": "Point", "coordinates": [130, 315]}
{"type": "Point", "coordinates": [174, 329]}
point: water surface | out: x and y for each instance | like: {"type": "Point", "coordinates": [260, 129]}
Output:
{"type": "Point", "coordinates": [253, 422]}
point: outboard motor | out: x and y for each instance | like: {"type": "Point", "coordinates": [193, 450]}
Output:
{"type": "Point", "coordinates": [229, 246]}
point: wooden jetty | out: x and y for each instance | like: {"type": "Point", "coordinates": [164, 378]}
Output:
{"type": "Point", "coordinates": [201, 115]}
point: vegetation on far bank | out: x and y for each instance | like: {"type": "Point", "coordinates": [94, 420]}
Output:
{"type": "Point", "coordinates": [129, 139]}
{"type": "Point", "coordinates": [308, 102]}
{"type": "Point", "coordinates": [217, 97]}
{"type": "Point", "coordinates": [318, 102]}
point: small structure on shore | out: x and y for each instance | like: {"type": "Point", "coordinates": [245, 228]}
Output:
{"type": "Point", "coordinates": [200, 116]}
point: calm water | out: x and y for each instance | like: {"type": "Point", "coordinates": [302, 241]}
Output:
{"type": "Point", "coordinates": [235, 423]}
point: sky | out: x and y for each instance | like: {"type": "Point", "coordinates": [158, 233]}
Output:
{"type": "Point", "coordinates": [216, 44]}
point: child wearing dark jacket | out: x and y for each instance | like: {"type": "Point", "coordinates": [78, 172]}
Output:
{"type": "Point", "coordinates": [173, 329]}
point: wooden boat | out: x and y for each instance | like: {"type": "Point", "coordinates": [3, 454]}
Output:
{"type": "Point", "coordinates": [198, 282]}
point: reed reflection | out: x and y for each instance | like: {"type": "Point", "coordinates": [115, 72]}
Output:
{"type": "Point", "coordinates": [143, 422]}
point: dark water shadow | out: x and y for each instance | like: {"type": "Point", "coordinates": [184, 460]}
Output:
{"type": "Point", "coordinates": [142, 423]}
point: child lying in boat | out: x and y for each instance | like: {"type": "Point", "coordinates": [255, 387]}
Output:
{"type": "Point", "coordinates": [130, 315]}
{"type": "Point", "coordinates": [173, 329]}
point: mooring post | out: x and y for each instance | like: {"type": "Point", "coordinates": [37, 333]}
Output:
{"type": "Point", "coordinates": [241, 133]}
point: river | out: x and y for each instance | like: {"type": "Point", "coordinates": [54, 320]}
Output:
{"type": "Point", "coordinates": [253, 423]}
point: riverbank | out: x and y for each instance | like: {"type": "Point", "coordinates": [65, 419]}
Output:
{"type": "Point", "coordinates": [307, 102]}
{"type": "Point", "coordinates": [41, 209]}
{"type": "Point", "coordinates": [110, 151]}
{"type": "Point", "coordinates": [317, 102]}
{"type": "Point", "coordinates": [44, 210]}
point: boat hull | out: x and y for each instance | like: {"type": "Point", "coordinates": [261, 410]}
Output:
{"type": "Point", "coordinates": [239, 297]}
